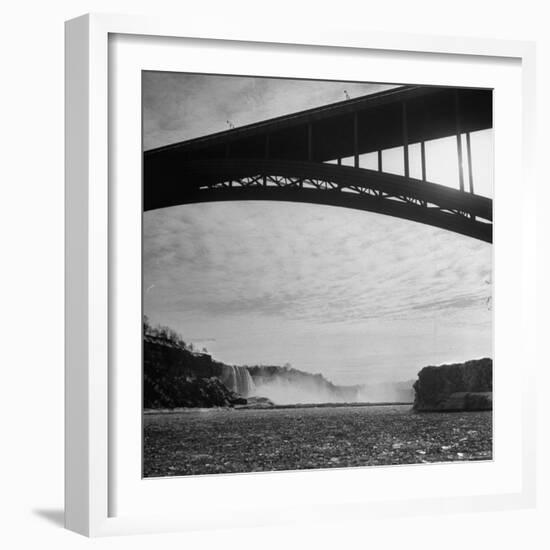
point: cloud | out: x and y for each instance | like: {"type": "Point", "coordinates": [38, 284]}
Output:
{"type": "Point", "coordinates": [314, 263]}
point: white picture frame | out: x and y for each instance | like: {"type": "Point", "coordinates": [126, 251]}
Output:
{"type": "Point", "coordinates": [93, 440]}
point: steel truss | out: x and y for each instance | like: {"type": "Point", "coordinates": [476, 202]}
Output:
{"type": "Point", "coordinates": [290, 182]}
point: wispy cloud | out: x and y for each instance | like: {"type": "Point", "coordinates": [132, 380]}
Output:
{"type": "Point", "coordinates": [310, 265]}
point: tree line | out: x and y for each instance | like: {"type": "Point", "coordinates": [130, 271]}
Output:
{"type": "Point", "coordinates": [168, 335]}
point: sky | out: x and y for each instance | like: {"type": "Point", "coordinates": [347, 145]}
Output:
{"type": "Point", "coordinates": [357, 296]}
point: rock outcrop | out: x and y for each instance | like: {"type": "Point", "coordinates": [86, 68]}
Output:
{"type": "Point", "coordinates": [456, 387]}
{"type": "Point", "coordinates": [188, 391]}
{"type": "Point", "coordinates": [177, 377]}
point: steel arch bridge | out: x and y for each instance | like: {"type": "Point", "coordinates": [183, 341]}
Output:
{"type": "Point", "coordinates": [298, 158]}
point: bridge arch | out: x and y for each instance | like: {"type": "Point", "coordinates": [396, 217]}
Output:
{"type": "Point", "coordinates": [326, 184]}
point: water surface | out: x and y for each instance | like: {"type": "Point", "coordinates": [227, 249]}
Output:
{"type": "Point", "coordinates": [214, 441]}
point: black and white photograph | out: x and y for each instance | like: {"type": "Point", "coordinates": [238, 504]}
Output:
{"type": "Point", "coordinates": [317, 272]}
{"type": "Point", "coordinates": [275, 274]}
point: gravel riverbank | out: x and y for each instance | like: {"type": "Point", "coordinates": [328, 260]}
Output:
{"type": "Point", "coordinates": [231, 441]}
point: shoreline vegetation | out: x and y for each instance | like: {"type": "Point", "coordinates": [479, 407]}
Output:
{"type": "Point", "coordinates": [177, 378]}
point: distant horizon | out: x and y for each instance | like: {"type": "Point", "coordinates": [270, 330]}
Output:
{"type": "Point", "coordinates": [192, 346]}
{"type": "Point", "coordinates": [199, 350]}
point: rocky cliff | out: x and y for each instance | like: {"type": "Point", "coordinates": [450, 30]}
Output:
{"type": "Point", "coordinates": [188, 391]}
{"type": "Point", "coordinates": [177, 377]}
{"type": "Point", "coordinates": [458, 386]}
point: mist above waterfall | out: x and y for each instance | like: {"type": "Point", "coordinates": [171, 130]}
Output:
{"type": "Point", "coordinates": [286, 386]}
{"type": "Point", "coordinates": [387, 392]}
{"type": "Point", "coordinates": [284, 392]}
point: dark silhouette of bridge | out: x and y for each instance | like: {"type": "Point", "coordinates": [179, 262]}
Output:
{"type": "Point", "coordinates": [298, 158]}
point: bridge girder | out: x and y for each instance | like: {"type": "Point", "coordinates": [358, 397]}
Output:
{"type": "Point", "coordinates": [327, 184]}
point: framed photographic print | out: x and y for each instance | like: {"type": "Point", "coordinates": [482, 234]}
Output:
{"type": "Point", "coordinates": [296, 267]}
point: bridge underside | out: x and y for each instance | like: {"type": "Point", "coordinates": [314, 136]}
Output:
{"type": "Point", "coordinates": [291, 158]}
{"type": "Point", "coordinates": [327, 184]}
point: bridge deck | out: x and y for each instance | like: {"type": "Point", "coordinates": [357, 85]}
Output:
{"type": "Point", "coordinates": [430, 115]}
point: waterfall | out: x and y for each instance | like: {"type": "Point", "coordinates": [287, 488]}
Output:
{"type": "Point", "coordinates": [238, 379]}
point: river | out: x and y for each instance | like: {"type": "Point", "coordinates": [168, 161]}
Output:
{"type": "Point", "coordinates": [214, 441]}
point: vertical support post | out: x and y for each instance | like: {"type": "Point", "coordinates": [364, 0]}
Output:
{"type": "Point", "coordinates": [267, 146]}
{"type": "Point", "coordinates": [266, 154]}
{"type": "Point", "coordinates": [339, 162]}
{"type": "Point", "coordinates": [405, 139]}
{"type": "Point", "coordinates": [355, 140]}
{"type": "Point", "coordinates": [470, 169]}
{"type": "Point", "coordinates": [459, 143]}
{"type": "Point", "coordinates": [423, 159]}
{"type": "Point", "coordinates": [380, 161]}
{"type": "Point", "coordinates": [309, 142]}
